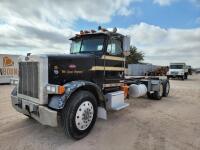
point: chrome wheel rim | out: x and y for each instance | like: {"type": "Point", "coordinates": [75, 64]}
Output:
{"type": "Point", "coordinates": [84, 115]}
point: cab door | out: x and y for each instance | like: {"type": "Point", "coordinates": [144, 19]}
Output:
{"type": "Point", "coordinates": [114, 63]}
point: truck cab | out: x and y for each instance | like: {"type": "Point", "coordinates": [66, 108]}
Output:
{"type": "Point", "coordinates": [66, 86]}
{"type": "Point", "coordinates": [178, 70]}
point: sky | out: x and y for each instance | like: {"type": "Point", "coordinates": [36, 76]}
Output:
{"type": "Point", "coordinates": [164, 30]}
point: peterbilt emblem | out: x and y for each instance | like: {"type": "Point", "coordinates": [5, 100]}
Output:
{"type": "Point", "coordinates": [72, 66]}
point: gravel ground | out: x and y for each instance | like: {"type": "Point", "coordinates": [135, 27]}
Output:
{"type": "Point", "coordinates": [170, 124]}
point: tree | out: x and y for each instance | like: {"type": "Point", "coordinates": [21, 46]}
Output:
{"type": "Point", "coordinates": [135, 56]}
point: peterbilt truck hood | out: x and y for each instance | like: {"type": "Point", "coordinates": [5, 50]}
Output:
{"type": "Point", "coordinates": [65, 68]}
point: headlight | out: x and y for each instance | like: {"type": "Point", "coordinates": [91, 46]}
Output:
{"type": "Point", "coordinates": [14, 81]}
{"type": "Point", "coordinates": [55, 89]}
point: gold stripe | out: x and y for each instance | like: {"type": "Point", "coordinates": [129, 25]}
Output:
{"type": "Point", "coordinates": [102, 68]}
{"type": "Point", "coordinates": [106, 57]}
{"type": "Point", "coordinates": [112, 85]}
{"type": "Point", "coordinates": [126, 70]}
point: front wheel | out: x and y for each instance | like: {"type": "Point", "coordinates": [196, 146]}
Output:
{"type": "Point", "coordinates": [150, 95]}
{"type": "Point", "coordinates": [79, 115]}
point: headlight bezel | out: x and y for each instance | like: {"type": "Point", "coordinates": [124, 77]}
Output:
{"type": "Point", "coordinates": [55, 89]}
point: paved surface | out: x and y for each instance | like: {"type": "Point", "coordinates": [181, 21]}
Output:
{"type": "Point", "coordinates": [170, 124]}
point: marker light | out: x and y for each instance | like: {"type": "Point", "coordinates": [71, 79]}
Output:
{"type": "Point", "coordinates": [61, 89]}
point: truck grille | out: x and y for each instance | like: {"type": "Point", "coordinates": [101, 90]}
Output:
{"type": "Point", "coordinates": [174, 73]}
{"type": "Point", "coordinates": [28, 79]}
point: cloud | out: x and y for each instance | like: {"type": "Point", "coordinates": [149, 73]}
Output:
{"type": "Point", "coordinates": [196, 2]}
{"type": "Point", "coordinates": [21, 39]}
{"type": "Point", "coordinates": [164, 2]}
{"type": "Point", "coordinates": [46, 25]}
{"type": "Point", "coordinates": [59, 11]}
{"type": "Point", "coordinates": [169, 2]}
{"type": "Point", "coordinates": [162, 46]}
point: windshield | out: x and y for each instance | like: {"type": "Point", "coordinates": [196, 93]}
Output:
{"type": "Point", "coordinates": [87, 45]}
{"type": "Point", "coordinates": [176, 66]}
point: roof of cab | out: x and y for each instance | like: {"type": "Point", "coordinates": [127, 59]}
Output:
{"type": "Point", "coordinates": [96, 33]}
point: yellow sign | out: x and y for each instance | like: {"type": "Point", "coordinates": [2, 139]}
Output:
{"type": "Point", "coordinates": [8, 67]}
{"type": "Point", "coordinates": [7, 62]}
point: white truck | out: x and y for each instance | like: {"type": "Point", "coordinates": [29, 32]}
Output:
{"type": "Point", "coordinates": [178, 70]}
{"type": "Point", "coordinates": [8, 67]}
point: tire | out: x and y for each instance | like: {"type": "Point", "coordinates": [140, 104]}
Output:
{"type": "Point", "coordinates": [77, 114]}
{"type": "Point", "coordinates": [149, 95]}
{"type": "Point", "coordinates": [183, 78]}
{"type": "Point", "coordinates": [157, 95]}
{"type": "Point", "coordinates": [186, 76]}
{"type": "Point", "coordinates": [166, 88]}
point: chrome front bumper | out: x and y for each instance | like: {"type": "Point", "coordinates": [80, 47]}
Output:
{"type": "Point", "coordinates": [42, 114]}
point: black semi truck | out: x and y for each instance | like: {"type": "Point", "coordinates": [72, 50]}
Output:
{"type": "Point", "coordinates": [73, 89]}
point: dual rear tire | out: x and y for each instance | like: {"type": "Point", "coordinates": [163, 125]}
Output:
{"type": "Point", "coordinates": [164, 89]}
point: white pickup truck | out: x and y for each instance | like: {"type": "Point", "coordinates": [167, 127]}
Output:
{"type": "Point", "coordinates": [178, 70]}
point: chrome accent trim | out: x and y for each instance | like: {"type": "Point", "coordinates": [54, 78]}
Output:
{"type": "Point", "coordinates": [102, 68]}
{"type": "Point", "coordinates": [107, 57]}
{"type": "Point", "coordinates": [42, 77]}
{"type": "Point", "coordinates": [46, 115]}
{"type": "Point", "coordinates": [28, 98]}
{"type": "Point", "coordinates": [112, 85]}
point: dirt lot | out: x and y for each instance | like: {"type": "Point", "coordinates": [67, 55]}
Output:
{"type": "Point", "coordinates": [170, 124]}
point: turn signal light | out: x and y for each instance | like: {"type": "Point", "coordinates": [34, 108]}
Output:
{"type": "Point", "coordinates": [125, 88]}
{"type": "Point", "coordinates": [61, 89]}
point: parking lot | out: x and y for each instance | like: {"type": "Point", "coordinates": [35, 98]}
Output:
{"type": "Point", "coordinates": [170, 124]}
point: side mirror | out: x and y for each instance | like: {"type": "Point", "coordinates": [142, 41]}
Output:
{"type": "Point", "coordinates": [126, 45]}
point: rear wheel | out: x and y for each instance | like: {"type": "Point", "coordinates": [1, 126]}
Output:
{"type": "Point", "coordinates": [166, 88]}
{"type": "Point", "coordinates": [186, 76]}
{"type": "Point", "coordinates": [79, 115]}
{"type": "Point", "coordinates": [183, 78]}
{"type": "Point", "coordinates": [157, 95]}
{"type": "Point", "coordinates": [150, 95]}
